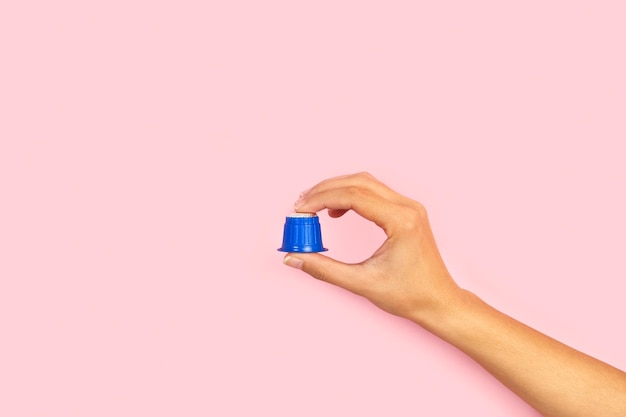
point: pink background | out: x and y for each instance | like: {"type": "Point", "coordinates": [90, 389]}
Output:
{"type": "Point", "coordinates": [149, 152]}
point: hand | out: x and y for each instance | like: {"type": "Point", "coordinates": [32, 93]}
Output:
{"type": "Point", "coordinates": [406, 275]}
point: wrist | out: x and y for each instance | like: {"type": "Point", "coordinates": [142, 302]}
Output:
{"type": "Point", "coordinates": [447, 312]}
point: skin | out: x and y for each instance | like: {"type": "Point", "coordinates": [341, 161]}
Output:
{"type": "Point", "coordinates": [407, 277]}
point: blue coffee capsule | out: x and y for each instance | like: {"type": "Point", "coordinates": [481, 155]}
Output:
{"type": "Point", "coordinates": [302, 233]}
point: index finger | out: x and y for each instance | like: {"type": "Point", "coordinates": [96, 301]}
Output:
{"type": "Point", "coordinates": [366, 203]}
{"type": "Point", "coordinates": [362, 180]}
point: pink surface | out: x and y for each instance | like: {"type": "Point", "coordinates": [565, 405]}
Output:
{"type": "Point", "coordinates": [150, 150]}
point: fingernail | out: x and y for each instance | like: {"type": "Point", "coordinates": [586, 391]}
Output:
{"type": "Point", "coordinates": [293, 262]}
{"type": "Point", "coordinates": [301, 197]}
{"type": "Point", "coordinates": [299, 201]}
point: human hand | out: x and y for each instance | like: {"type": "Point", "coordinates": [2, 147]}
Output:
{"type": "Point", "coordinates": [406, 276]}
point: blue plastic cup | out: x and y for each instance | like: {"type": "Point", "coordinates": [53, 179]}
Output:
{"type": "Point", "coordinates": [302, 233]}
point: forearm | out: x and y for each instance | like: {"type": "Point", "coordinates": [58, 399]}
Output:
{"type": "Point", "coordinates": [553, 378]}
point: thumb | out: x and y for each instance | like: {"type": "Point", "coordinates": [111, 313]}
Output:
{"type": "Point", "coordinates": [326, 269]}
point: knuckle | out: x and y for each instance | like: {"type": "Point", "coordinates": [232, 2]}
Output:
{"type": "Point", "coordinates": [321, 274]}
{"type": "Point", "coordinates": [364, 175]}
{"type": "Point", "coordinates": [353, 191]}
{"type": "Point", "coordinates": [420, 209]}
{"type": "Point", "coordinates": [412, 218]}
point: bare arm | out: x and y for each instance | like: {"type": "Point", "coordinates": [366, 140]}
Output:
{"type": "Point", "coordinates": [406, 276]}
{"type": "Point", "coordinates": [553, 378]}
